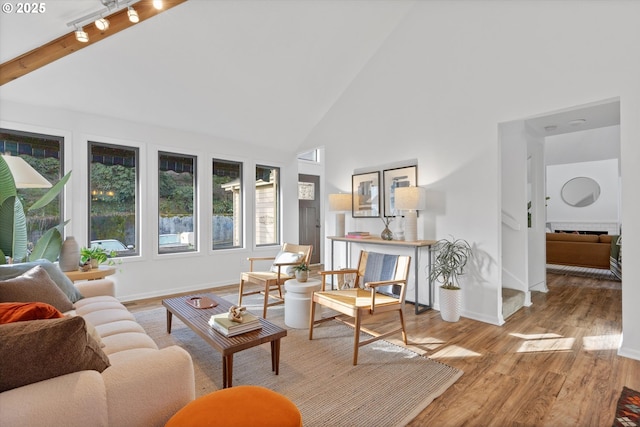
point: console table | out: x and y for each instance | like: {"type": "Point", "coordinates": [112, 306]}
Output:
{"type": "Point", "coordinates": [416, 245]}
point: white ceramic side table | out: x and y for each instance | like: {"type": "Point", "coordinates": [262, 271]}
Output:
{"type": "Point", "coordinates": [297, 302]}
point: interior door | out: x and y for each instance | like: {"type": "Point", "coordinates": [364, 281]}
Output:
{"type": "Point", "coordinates": [309, 213]}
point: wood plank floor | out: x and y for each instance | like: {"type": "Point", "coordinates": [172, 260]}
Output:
{"type": "Point", "coordinates": [551, 364]}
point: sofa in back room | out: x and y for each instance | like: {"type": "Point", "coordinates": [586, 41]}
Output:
{"type": "Point", "coordinates": [580, 250]}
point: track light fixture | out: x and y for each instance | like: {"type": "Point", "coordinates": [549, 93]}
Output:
{"type": "Point", "coordinates": [102, 24]}
{"type": "Point", "coordinates": [133, 15]}
{"type": "Point", "coordinates": [82, 36]}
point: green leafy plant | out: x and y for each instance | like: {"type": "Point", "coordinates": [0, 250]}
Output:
{"type": "Point", "coordinates": [13, 221]}
{"type": "Point", "coordinates": [301, 267]}
{"type": "Point", "coordinates": [451, 258]}
{"type": "Point", "coordinates": [100, 255]}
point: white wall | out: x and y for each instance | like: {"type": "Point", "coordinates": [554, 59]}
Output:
{"type": "Point", "coordinates": [151, 274]}
{"type": "Point", "coordinates": [441, 83]}
{"type": "Point", "coordinates": [605, 209]}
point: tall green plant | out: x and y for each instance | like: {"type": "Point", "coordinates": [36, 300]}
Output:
{"type": "Point", "coordinates": [13, 221]}
{"type": "Point", "coordinates": [451, 258]}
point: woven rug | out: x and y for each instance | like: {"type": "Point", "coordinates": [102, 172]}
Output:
{"type": "Point", "coordinates": [628, 409]}
{"type": "Point", "coordinates": [389, 387]}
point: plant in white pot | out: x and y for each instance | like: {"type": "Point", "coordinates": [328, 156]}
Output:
{"type": "Point", "coordinates": [302, 272]}
{"type": "Point", "coordinates": [451, 258]}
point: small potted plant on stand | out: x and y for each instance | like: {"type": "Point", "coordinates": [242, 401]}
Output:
{"type": "Point", "coordinates": [302, 272]}
{"type": "Point", "coordinates": [96, 256]}
{"type": "Point", "coordinates": [451, 258]}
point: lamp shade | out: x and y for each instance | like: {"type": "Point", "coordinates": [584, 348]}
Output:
{"type": "Point", "coordinates": [24, 175]}
{"type": "Point", "coordinates": [340, 202]}
{"type": "Point", "coordinates": [410, 198]}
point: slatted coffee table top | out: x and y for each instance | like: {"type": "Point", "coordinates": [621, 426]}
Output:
{"type": "Point", "coordinates": [198, 320]}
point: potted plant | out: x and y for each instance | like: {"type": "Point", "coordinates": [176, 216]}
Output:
{"type": "Point", "coordinates": [450, 260]}
{"type": "Point", "coordinates": [96, 256]}
{"type": "Point", "coordinates": [302, 272]}
{"type": "Point", "coordinates": [13, 222]}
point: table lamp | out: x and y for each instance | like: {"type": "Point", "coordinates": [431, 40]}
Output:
{"type": "Point", "coordinates": [410, 200]}
{"type": "Point", "coordinates": [340, 203]}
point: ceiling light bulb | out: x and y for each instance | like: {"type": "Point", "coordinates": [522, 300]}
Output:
{"type": "Point", "coordinates": [82, 36]}
{"type": "Point", "coordinates": [157, 4]}
{"type": "Point", "coordinates": [133, 15]}
{"type": "Point", "coordinates": [102, 24]}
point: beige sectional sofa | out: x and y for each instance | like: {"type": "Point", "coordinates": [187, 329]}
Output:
{"type": "Point", "coordinates": [143, 386]}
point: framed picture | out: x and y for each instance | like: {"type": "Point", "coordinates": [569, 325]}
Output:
{"type": "Point", "coordinates": [366, 195]}
{"type": "Point", "coordinates": [394, 178]}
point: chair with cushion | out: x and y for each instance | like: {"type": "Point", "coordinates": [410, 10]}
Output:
{"type": "Point", "coordinates": [379, 288]}
{"type": "Point", "coordinates": [281, 270]}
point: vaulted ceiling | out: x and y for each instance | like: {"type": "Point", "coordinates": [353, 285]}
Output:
{"type": "Point", "coordinates": [260, 71]}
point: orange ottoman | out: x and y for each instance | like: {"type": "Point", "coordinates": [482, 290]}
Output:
{"type": "Point", "coordinates": [240, 406]}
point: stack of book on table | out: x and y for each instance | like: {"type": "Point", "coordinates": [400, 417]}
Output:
{"type": "Point", "coordinates": [229, 328]}
{"type": "Point", "coordinates": [358, 234]}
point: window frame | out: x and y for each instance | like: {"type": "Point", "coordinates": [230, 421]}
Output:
{"type": "Point", "coordinates": [241, 200]}
{"type": "Point", "coordinates": [278, 201]}
{"type": "Point", "coordinates": [195, 202]}
{"type": "Point", "coordinates": [136, 251]}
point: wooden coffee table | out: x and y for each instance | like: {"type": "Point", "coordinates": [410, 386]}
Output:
{"type": "Point", "coordinates": [198, 320]}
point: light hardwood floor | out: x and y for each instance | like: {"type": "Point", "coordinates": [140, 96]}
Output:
{"type": "Point", "coordinates": [551, 364]}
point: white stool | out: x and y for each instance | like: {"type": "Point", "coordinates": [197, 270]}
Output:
{"type": "Point", "coordinates": [297, 302]}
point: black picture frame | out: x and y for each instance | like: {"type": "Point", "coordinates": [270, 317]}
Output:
{"type": "Point", "coordinates": [365, 189]}
{"type": "Point", "coordinates": [406, 176]}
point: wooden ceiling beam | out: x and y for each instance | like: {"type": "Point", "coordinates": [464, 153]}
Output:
{"type": "Point", "coordinates": [67, 44]}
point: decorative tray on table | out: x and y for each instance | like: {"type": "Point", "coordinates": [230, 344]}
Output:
{"type": "Point", "coordinates": [201, 302]}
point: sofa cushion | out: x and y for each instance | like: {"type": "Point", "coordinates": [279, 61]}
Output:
{"type": "Point", "coordinates": [41, 349]}
{"type": "Point", "coordinates": [22, 311]}
{"type": "Point", "coordinates": [570, 237]}
{"type": "Point", "coordinates": [10, 271]}
{"type": "Point", "coordinates": [34, 285]}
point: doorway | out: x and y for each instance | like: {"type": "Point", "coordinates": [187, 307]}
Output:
{"type": "Point", "coordinates": [524, 146]}
{"type": "Point", "coordinates": [309, 213]}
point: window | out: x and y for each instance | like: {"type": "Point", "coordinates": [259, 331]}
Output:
{"type": "Point", "coordinates": [177, 199]}
{"type": "Point", "coordinates": [227, 204]}
{"type": "Point", "coordinates": [113, 195]}
{"type": "Point", "coordinates": [311, 156]}
{"type": "Point", "coordinates": [44, 154]}
{"type": "Point", "coordinates": [267, 205]}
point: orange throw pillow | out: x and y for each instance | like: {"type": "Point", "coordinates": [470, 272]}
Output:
{"type": "Point", "coordinates": [20, 311]}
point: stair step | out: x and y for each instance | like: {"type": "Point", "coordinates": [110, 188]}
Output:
{"type": "Point", "coordinates": [512, 301]}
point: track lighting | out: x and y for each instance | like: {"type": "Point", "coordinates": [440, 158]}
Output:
{"type": "Point", "coordinates": [82, 36]}
{"type": "Point", "coordinates": [133, 15]}
{"type": "Point", "coordinates": [102, 24]}
{"type": "Point", "coordinates": [157, 4]}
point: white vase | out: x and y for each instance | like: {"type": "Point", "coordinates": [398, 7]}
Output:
{"type": "Point", "coordinates": [450, 304]}
{"type": "Point", "coordinates": [302, 276]}
{"type": "Point", "coordinates": [69, 258]}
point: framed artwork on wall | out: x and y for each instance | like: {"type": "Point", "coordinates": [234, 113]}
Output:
{"type": "Point", "coordinates": [366, 195]}
{"type": "Point", "coordinates": [394, 178]}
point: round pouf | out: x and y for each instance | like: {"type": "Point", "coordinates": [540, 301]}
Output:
{"type": "Point", "coordinates": [245, 405]}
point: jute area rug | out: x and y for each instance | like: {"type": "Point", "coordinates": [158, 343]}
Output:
{"type": "Point", "coordinates": [389, 387]}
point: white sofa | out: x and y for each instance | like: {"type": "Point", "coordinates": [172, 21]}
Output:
{"type": "Point", "coordinates": [144, 386]}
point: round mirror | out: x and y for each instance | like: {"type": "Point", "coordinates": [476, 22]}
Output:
{"type": "Point", "coordinates": [580, 192]}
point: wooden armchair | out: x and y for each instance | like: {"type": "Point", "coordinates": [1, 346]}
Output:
{"type": "Point", "coordinates": [376, 273]}
{"type": "Point", "coordinates": [281, 270]}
